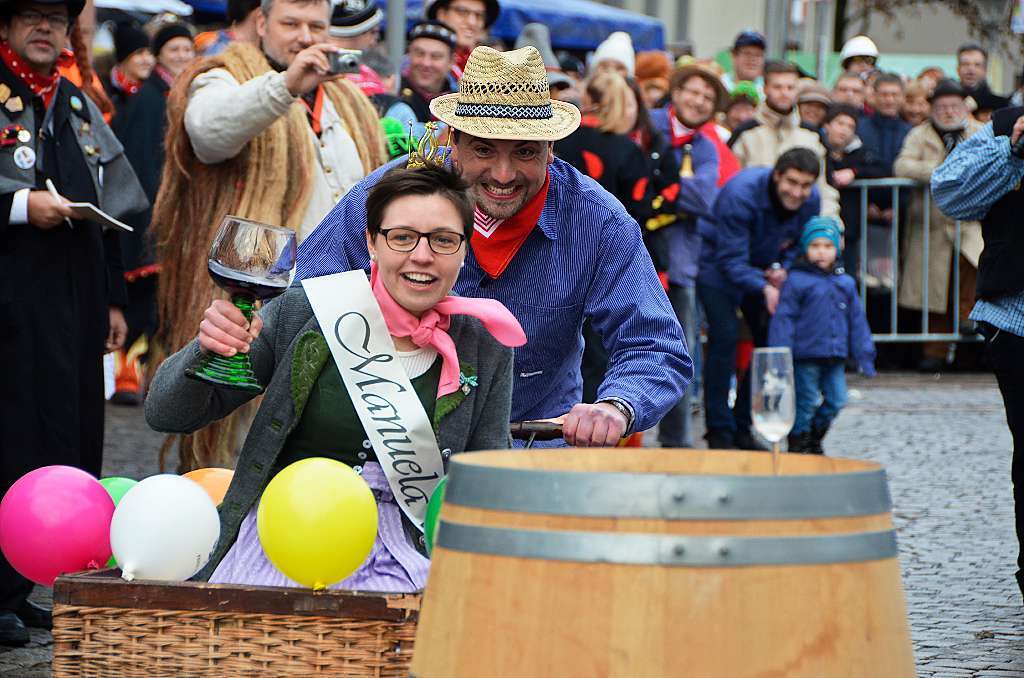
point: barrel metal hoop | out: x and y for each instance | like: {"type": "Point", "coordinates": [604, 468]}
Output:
{"type": "Point", "coordinates": [662, 496]}
{"type": "Point", "coordinates": [644, 549]}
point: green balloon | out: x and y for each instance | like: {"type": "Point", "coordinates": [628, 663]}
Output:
{"type": "Point", "coordinates": [433, 511]}
{"type": "Point", "coordinates": [116, 488]}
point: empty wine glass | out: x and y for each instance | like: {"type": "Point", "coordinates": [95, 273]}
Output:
{"type": "Point", "coordinates": [773, 402]}
{"type": "Point", "coordinates": [250, 261]}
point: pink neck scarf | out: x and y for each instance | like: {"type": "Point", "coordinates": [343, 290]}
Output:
{"type": "Point", "coordinates": [431, 329]}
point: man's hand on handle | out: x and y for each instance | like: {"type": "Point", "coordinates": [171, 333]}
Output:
{"type": "Point", "coordinates": [598, 425]}
{"type": "Point", "coordinates": [225, 331]}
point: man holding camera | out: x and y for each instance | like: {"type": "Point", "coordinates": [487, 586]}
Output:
{"type": "Point", "coordinates": [981, 179]}
{"type": "Point", "coordinates": [270, 133]}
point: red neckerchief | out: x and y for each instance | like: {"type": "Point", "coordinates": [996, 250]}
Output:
{"type": "Point", "coordinates": [44, 86]}
{"type": "Point", "coordinates": [728, 165]}
{"type": "Point", "coordinates": [494, 247]}
{"type": "Point", "coordinates": [681, 134]}
{"type": "Point", "coordinates": [588, 120]}
{"type": "Point", "coordinates": [459, 64]}
{"type": "Point", "coordinates": [123, 82]}
{"type": "Point", "coordinates": [316, 111]}
{"type": "Point", "coordinates": [166, 76]}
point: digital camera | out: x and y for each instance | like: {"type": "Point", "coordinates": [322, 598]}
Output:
{"type": "Point", "coordinates": [344, 60]}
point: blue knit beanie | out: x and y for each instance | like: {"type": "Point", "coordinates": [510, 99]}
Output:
{"type": "Point", "coordinates": [821, 227]}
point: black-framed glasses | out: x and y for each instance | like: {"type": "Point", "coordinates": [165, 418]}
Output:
{"type": "Point", "coordinates": [406, 240]}
{"type": "Point", "coordinates": [33, 18]}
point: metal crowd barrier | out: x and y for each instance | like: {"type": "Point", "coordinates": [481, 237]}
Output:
{"type": "Point", "coordinates": [894, 335]}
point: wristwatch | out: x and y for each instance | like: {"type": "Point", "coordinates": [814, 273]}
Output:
{"type": "Point", "coordinates": [624, 408]}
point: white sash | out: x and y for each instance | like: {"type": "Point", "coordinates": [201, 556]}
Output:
{"type": "Point", "coordinates": [385, 400]}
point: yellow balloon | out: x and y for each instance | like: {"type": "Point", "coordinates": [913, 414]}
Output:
{"type": "Point", "coordinates": [317, 521]}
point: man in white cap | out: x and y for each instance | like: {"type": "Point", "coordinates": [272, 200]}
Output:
{"type": "Point", "coordinates": [551, 245]}
{"type": "Point", "coordinates": [615, 54]}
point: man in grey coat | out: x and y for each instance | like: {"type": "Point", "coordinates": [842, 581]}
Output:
{"type": "Point", "coordinates": [62, 287]}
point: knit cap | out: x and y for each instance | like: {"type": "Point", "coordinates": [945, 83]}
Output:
{"type": "Point", "coordinates": [128, 39]}
{"type": "Point", "coordinates": [617, 47]}
{"type": "Point", "coordinates": [820, 227]}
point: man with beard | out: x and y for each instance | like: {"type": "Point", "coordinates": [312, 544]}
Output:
{"type": "Point", "coordinates": [551, 245]}
{"type": "Point", "coordinates": [758, 218]}
{"type": "Point", "coordinates": [62, 287]}
{"type": "Point", "coordinates": [696, 94]}
{"type": "Point", "coordinates": [265, 133]}
{"type": "Point", "coordinates": [925, 148]}
{"type": "Point", "coordinates": [776, 128]}
{"type": "Point", "coordinates": [431, 50]}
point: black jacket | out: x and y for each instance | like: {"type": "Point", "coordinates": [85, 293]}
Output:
{"type": "Point", "coordinates": [57, 284]}
{"type": "Point", "coordinates": [1001, 266]}
{"type": "Point", "coordinates": [615, 162]}
{"type": "Point", "coordinates": [865, 165]}
{"type": "Point", "coordinates": [140, 125]}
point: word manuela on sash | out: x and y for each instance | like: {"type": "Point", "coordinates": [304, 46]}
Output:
{"type": "Point", "coordinates": [386, 415]}
{"type": "Point", "coordinates": [387, 404]}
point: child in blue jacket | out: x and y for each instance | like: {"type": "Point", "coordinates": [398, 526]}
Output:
{"type": "Point", "coordinates": [820, 318]}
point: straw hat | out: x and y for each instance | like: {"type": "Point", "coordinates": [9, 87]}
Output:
{"type": "Point", "coordinates": [505, 95]}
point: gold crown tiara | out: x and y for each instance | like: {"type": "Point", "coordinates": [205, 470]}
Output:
{"type": "Point", "coordinates": [427, 150]}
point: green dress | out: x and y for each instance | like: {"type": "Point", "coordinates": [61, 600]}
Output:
{"type": "Point", "coordinates": [329, 426]}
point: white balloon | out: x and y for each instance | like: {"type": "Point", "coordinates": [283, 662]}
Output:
{"type": "Point", "coordinates": [164, 528]}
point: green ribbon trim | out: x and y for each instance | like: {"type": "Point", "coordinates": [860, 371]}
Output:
{"type": "Point", "coordinates": [311, 354]}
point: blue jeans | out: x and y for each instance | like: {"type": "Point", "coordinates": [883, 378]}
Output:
{"type": "Point", "coordinates": [818, 381]}
{"type": "Point", "coordinates": [720, 309]}
{"type": "Point", "coordinates": [675, 426]}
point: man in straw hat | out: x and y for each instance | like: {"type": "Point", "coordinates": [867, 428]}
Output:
{"type": "Point", "coordinates": [62, 290]}
{"type": "Point", "coordinates": [551, 245]}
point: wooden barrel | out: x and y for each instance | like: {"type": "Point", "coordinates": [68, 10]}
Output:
{"type": "Point", "coordinates": [663, 563]}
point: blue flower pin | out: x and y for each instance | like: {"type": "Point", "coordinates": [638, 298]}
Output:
{"type": "Point", "coordinates": [76, 103]}
{"type": "Point", "coordinates": [467, 382]}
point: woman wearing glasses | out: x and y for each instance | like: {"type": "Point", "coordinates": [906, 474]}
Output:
{"type": "Point", "coordinates": [450, 348]}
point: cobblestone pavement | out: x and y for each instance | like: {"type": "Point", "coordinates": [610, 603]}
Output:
{"type": "Point", "coordinates": [946, 447]}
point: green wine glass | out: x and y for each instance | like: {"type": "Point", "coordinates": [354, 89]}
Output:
{"type": "Point", "coordinates": [251, 261]}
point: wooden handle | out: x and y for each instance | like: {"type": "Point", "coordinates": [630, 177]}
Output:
{"type": "Point", "coordinates": [538, 430]}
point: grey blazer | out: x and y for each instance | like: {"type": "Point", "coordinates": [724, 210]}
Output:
{"type": "Point", "coordinates": [288, 356]}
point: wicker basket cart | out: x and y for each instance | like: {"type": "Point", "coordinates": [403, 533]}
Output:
{"type": "Point", "coordinates": [104, 626]}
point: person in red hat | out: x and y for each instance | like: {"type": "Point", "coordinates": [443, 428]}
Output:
{"type": "Point", "coordinates": [62, 290]}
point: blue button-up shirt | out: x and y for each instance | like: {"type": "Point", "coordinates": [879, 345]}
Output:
{"type": "Point", "coordinates": [978, 172]}
{"type": "Point", "coordinates": [585, 259]}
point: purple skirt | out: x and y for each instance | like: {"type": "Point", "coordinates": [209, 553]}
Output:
{"type": "Point", "coordinates": [394, 565]}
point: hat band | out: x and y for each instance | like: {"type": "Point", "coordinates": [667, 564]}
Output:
{"type": "Point", "coordinates": [510, 111]}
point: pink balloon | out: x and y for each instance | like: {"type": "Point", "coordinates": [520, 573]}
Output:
{"type": "Point", "coordinates": [53, 520]}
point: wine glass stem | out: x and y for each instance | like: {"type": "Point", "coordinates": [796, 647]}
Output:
{"type": "Point", "coordinates": [776, 446]}
{"type": "Point", "coordinates": [244, 303]}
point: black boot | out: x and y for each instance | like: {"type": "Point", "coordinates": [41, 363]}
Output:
{"type": "Point", "coordinates": [34, 616]}
{"type": "Point", "coordinates": [12, 631]}
{"type": "Point", "coordinates": [816, 436]}
{"type": "Point", "coordinates": [720, 439]}
{"type": "Point", "coordinates": [745, 440]}
{"type": "Point", "coordinates": [799, 443]}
